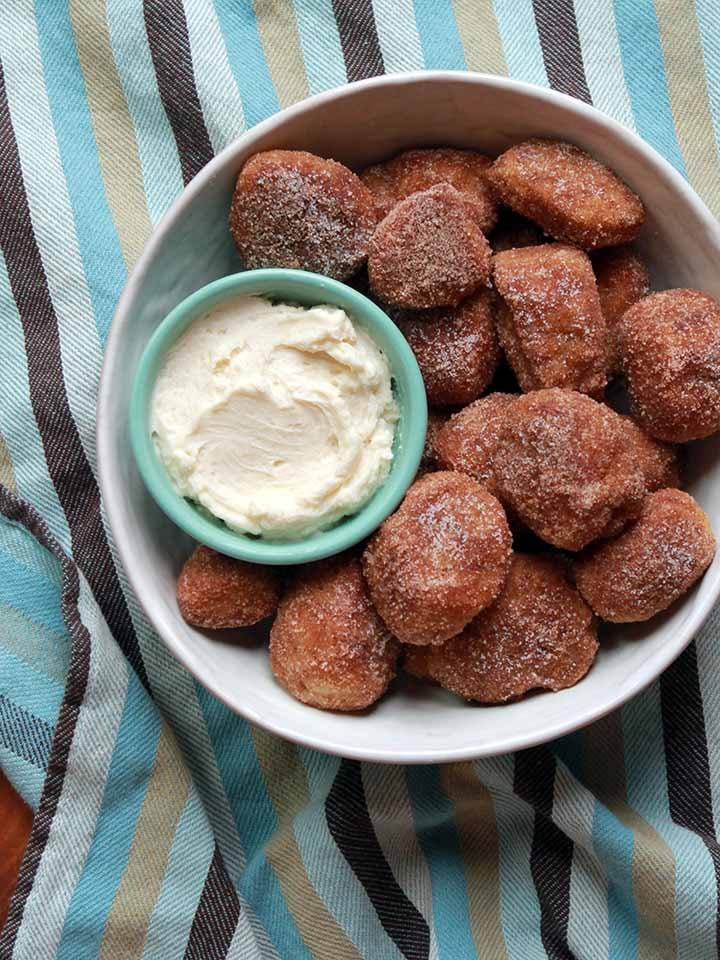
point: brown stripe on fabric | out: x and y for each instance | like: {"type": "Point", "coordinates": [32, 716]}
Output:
{"type": "Point", "coordinates": [359, 39]}
{"type": "Point", "coordinates": [551, 853]}
{"type": "Point", "coordinates": [479, 35]}
{"type": "Point", "coordinates": [7, 471]}
{"type": "Point", "coordinates": [67, 463]}
{"type": "Point", "coordinates": [281, 45]}
{"type": "Point", "coordinates": [113, 128]}
{"type": "Point", "coordinates": [216, 916]}
{"type": "Point", "coordinates": [477, 831]}
{"type": "Point", "coordinates": [16, 510]}
{"type": "Point", "coordinates": [560, 44]}
{"type": "Point", "coordinates": [286, 784]}
{"type": "Point", "coordinates": [167, 33]}
{"type": "Point", "coordinates": [127, 923]}
{"type": "Point", "coordinates": [686, 756]}
{"type": "Point", "coordinates": [653, 868]}
{"type": "Point", "coordinates": [349, 823]}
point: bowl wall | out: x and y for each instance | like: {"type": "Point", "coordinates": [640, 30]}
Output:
{"type": "Point", "coordinates": [359, 124]}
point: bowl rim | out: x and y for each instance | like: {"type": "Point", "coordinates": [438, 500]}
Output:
{"type": "Point", "coordinates": [294, 286]}
{"type": "Point", "coordinates": [328, 743]}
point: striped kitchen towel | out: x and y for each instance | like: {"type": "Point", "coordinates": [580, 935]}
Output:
{"type": "Point", "coordinates": [165, 826]}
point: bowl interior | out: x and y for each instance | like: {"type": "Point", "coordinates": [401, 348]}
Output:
{"type": "Point", "coordinates": [306, 289]}
{"type": "Point", "coordinates": [358, 124]}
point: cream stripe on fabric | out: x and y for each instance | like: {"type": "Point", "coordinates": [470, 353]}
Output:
{"type": "Point", "coordinates": [684, 70]}
{"type": "Point", "coordinates": [113, 128]}
{"type": "Point", "coordinates": [287, 788]}
{"type": "Point", "coordinates": [479, 34]}
{"type": "Point", "coordinates": [281, 45]}
{"type": "Point", "coordinates": [7, 472]}
{"type": "Point", "coordinates": [653, 861]}
{"type": "Point", "coordinates": [79, 805]}
{"type": "Point", "coordinates": [477, 831]}
{"type": "Point", "coordinates": [162, 806]}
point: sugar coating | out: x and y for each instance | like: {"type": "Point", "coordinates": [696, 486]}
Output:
{"type": "Point", "coordinates": [670, 345]}
{"type": "Point", "coordinates": [439, 559]}
{"type": "Point", "coordinates": [565, 466]}
{"type": "Point", "coordinates": [295, 210]}
{"type": "Point", "coordinates": [538, 634]}
{"type": "Point", "coordinates": [456, 348]}
{"type": "Point", "coordinates": [428, 252]}
{"type": "Point", "coordinates": [467, 442]}
{"type": "Point", "coordinates": [514, 231]}
{"type": "Point", "coordinates": [572, 196]}
{"type": "Point", "coordinates": [217, 592]}
{"type": "Point", "coordinates": [549, 322]}
{"type": "Point", "coordinates": [328, 647]}
{"type": "Point", "coordinates": [416, 170]}
{"type": "Point", "coordinates": [622, 279]}
{"type": "Point", "coordinates": [658, 461]}
{"type": "Point", "coordinates": [655, 561]}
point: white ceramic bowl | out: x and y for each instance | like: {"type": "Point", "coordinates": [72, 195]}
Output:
{"type": "Point", "coordinates": [360, 124]}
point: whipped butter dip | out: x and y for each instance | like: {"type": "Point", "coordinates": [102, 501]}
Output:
{"type": "Point", "coordinates": [277, 419]}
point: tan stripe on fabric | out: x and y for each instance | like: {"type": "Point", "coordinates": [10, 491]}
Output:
{"type": "Point", "coordinates": [139, 888]}
{"type": "Point", "coordinates": [281, 46]}
{"type": "Point", "coordinates": [7, 471]}
{"type": "Point", "coordinates": [113, 128]}
{"type": "Point", "coordinates": [479, 34]}
{"type": "Point", "coordinates": [477, 830]}
{"type": "Point", "coordinates": [286, 784]}
{"type": "Point", "coordinates": [653, 861]}
{"type": "Point", "coordinates": [685, 72]}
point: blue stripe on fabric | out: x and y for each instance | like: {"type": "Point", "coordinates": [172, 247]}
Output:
{"type": "Point", "coordinates": [187, 865]}
{"type": "Point", "coordinates": [33, 559]}
{"type": "Point", "coordinates": [439, 37]}
{"type": "Point", "coordinates": [613, 843]}
{"type": "Point", "coordinates": [17, 420]}
{"type": "Point", "coordinates": [128, 775]}
{"type": "Point", "coordinates": [27, 779]}
{"type": "Point", "coordinates": [247, 60]}
{"type": "Point", "coordinates": [98, 241]}
{"type": "Point", "coordinates": [520, 907]}
{"type": "Point", "coordinates": [26, 590]}
{"type": "Point", "coordinates": [321, 47]}
{"type": "Point", "coordinates": [27, 735]}
{"type": "Point", "coordinates": [157, 150]}
{"type": "Point", "coordinates": [255, 819]}
{"type": "Point", "coordinates": [641, 52]}
{"type": "Point", "coordinates": [520, 40]}
{"type": "Point", "coordinates": [707, 18]}
{"type": "Point", "coordinates": [434, 822]}
{"type": "Point", "coordinates": [647, 790]}
{"type": "Point", "coordinates": [35, 691]}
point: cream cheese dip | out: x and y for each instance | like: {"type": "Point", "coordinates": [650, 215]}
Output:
{"type": "Point", "coordinates": [277, 419]}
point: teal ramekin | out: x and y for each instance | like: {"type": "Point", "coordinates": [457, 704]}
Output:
{"type": "Point", "coordinates": [307, 289]}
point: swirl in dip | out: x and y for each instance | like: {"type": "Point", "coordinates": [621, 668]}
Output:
{"type": "Point", "coordinates": [277, 419]}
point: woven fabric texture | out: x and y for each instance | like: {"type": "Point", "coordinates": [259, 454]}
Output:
{"type": "Point", "coordinates": [165, 826]}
